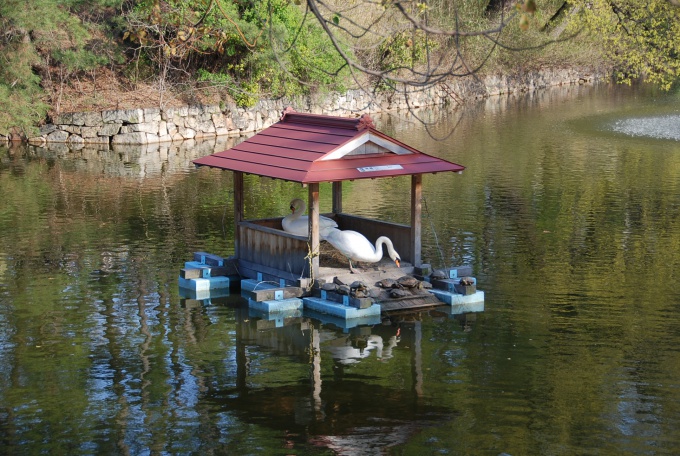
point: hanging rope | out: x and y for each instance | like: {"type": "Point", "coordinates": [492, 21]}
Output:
{"type": "Point", "coordinates": [310, 255]}
{"type": "Point", "coordinates": [436, 239]}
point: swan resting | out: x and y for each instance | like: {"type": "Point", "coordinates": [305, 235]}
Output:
{"type": "Point", "coordinates": [355, 246]}
{"type": "Point", "coordinates": [298, 224]}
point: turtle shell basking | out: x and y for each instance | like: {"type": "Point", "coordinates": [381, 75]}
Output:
{"type": "Point", "coordinates": [375, 292]}
{"type": "Point", "coordinates": [343, 290]}
{"type": "Point", "coordinates": [359, 285]}
{"type": "Point", "coordinates": [399, 293]}
{"type": "Point", "coordinates": [438, 275]}
{"type": "Point", "coordinates": [408, 282]}
{"type": "Point", "coordinates": [359, 293]}
{"type": "Point", "coordinates": [329, 286]}
{"type": "Point", "coordinates": [388, 283]}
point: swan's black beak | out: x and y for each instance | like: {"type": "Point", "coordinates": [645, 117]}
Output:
{"type": "Point", "coordinates": [292, 209]}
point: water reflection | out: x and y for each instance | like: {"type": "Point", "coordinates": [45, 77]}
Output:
{"type": "Point", "coordinates": [330, 402]}
{"type": "Point", "coordinates": [573, 230]}
{"type": "Point", "coordinates": [130, 161]}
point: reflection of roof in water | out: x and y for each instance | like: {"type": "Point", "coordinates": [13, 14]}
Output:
{"type": "Point", "coordinates": [662, 127]}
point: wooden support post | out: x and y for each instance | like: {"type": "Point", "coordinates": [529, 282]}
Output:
{"type": "Point", "coordinates": [238, 210]}
{"type": "Point", "coordinates": [416, 212]}
{"type": "Point", "coordinates": [314, 238]}
{"type": "Point", "coordinates": [337, 197]}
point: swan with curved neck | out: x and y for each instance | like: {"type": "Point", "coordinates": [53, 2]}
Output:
{"type": "Point", "coordinates": [355, 246]}
{"type": "Point", "coordinates": [298, 224]}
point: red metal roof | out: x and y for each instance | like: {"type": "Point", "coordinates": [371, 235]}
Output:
{"type": "Point", "coordinates": [312, 148]}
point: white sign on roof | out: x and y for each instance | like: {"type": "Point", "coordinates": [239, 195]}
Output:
{"type": "Point", "coordinates": [371, 169]}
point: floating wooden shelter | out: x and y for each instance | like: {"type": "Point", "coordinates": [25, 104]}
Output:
{"type": "Point", "coordinates": [312, 149]}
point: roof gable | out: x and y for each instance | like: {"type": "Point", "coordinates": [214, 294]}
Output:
{"type": "Point", "coordinates": [311, 148]}
{"type": "Point", "coordinates": [367, 143]}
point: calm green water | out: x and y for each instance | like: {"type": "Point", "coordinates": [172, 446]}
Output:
{"type": "Point", "coordinates": [569, 213]}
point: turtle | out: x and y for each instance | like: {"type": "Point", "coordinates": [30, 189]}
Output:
{"type": "Point", "coordinates": [343, 290]}
{"type": "Point", "coordinates": [359, 285]}
{"type": "Point", "coordinates": [359, 293]}
{"type": "Point", "coordinates": [408, 281]}
{"type": "Point", "coordinates": [467, 281]}
{"type": "Point", "coordinates": [387, 283]}
{"type": "Point", "coordinates": [375, 292]}
{"type": "Point", "coordinates": [399, 293]}
{"type": "Point", "coordinates": [438, 275]}
{"type": "Point", "coordinates": [329, 286]}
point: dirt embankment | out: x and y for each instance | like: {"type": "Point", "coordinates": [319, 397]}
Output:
{"type": "Point", "coordinates": [107, 91]}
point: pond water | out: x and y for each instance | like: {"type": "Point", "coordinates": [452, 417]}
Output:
{"type": "Point", "coordinates": [568, 212]}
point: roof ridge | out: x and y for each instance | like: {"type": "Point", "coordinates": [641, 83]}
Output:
{"type": "Point", "coordinates": [350, 123]}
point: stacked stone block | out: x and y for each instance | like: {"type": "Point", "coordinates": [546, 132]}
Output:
{"type": "Point", "coordinates": [155, 125]}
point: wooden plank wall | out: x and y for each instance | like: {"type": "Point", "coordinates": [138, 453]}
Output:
{"type": "Point", "coordinates": [267, 249]}
{"type": "Point", "coordinates": [264, 243]}
{"type": "Point", "coordinates": [373, 229]}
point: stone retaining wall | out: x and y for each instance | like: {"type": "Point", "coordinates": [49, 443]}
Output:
{"type": "Point", "coordinates": [154, 125]}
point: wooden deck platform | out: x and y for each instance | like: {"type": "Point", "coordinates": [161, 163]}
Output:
{"type": "Point", "coordinates": [335, 269]}
{"type": "Point", "coordinates": [333, 266]}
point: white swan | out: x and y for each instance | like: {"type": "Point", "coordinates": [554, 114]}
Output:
{"type": "Point", "coordinates": [298, 224]}
{"type": "Point", "coordinates": [356, 247]}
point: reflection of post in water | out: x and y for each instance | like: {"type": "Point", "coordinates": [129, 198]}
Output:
{"type": "Point", "coordinates": [242, 364]}
{"type": "Point", "coordinates": [315, 347]}
{"type": "Point", "coordinates": [418, 358]}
